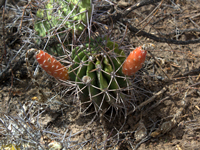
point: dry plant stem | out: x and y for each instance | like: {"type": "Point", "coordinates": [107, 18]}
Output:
{"type": "Point", "coordinates": [134, 30]}
{"type": "Point", "coordinates": [118, 15]}
{"type": "Point", "coordinates": [142, 141]}
{"type": "Point", "coordinates": [4, 43]}
{"type": "Point", "coordinates": [176, 118]}
{"type": "Point", "coordinates": [5, 74]}
{"type": "Point", "coordinates": [19, 122]}
{"type": "Point", "coordinates": [159, 65]}
{"type": "Point", "coordinates": [12, 75]}
{"type": "Point", "coordinates": [125, 33]}
{"type": "Point", "coordinates": [155, 10]}
{"type": "Point", "coordinates": [161, 101]}
{"type": "Point", "coordinates": [138, 5]}
{"type": "Point", "coordinates": [182, 31]}
{"type": "Point", "coordinates": [191, 72]}
{"type": "Point", "coordinates": [149, 100]}
{"type": "Point", "coordinates": [23, 16]}
{"type": "Point", "coordinates": [21, 22]}
{"type": "Point", "coordinates": [177, 92]}
{"type": "Point", "coordinates": [42, 94]}
{"type": "Point", "coordinates": [168, 125]}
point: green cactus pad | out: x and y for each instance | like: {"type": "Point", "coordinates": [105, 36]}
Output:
{"type": "Point", "coordinates": [62, 15]}
{"type": "Point", "coordinates": [96, 69]}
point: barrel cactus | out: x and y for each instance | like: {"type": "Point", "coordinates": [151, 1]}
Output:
{"type": "Point", "coordinates": [60, 15]}
{"type": "Point", "coordinates": [97, 70]}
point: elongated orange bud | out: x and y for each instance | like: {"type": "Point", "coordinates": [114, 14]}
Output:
{"type": "Point", "coordinates": [135, 60]}
{"type": "Point", "coordinates": [52, 66]}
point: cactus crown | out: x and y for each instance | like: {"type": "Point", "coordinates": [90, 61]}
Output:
{"type": "Point", "coordinates": [97, 70]}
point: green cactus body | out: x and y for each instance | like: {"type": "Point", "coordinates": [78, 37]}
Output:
{"type": "Point", "coordinates": [101, 65]}
{"type": "Point", "coordinates": [63, 15]}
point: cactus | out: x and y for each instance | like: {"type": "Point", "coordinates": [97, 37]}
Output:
{"type": "Point", "coordinates": [97, 70]}
{"type": "Point", "coordinates": [60, 15]}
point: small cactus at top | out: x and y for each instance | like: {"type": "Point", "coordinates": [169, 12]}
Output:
{"type": "Point", "coordinates": [62, 15]}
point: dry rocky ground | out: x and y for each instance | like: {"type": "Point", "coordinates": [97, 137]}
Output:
{"type": "Point", "coordinates": [168, 108]}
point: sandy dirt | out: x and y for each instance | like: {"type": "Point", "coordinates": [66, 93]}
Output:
{"type": "Point", "coordinates": [167, 109]}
